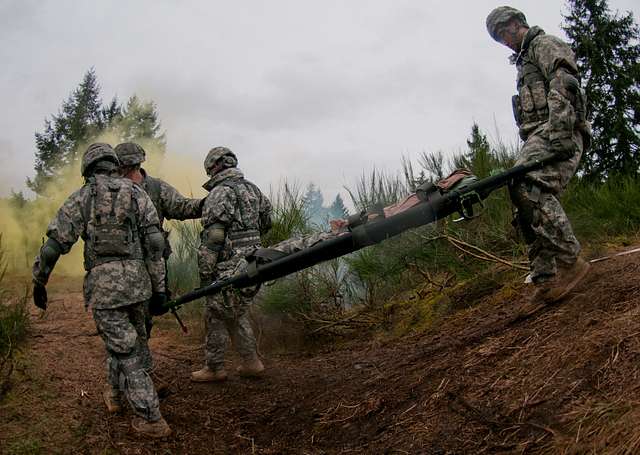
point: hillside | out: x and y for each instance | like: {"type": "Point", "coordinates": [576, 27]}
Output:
{"type": "Point", "coordinates": [502, 376]}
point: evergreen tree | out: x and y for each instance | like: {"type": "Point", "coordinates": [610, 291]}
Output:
{"type": "Point", "coordinates": [80, 118]}
{"type": "Point", "coordinates": [337, 209]}
{"type": "Point", "coordinates": [139, 123]}
{"type": "Point", "coordinates": [608, 52]}
{"type": "Point", "coordinates": [111, 113]}
{"type": "Point", "coordinates": [313, 207]}
{"type": "Point", "coordinates": [478, 157]}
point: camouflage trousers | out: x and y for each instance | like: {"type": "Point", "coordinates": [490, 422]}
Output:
{"type": "Point", "coordinates": [124, 335]}
{"type": "Point", "coordinates": [226, 316]}
{"type": "Point", "coordinates": [540, 216]}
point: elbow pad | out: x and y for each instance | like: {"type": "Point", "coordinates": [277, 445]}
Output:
{"type": "Point", "coordinates": [566, 84]}
{"type": "Point", "coordinates": [154, 240]}
{"type": "Point", "coordinates": [46, 260]}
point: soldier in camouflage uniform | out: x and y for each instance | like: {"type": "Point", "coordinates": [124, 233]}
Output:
{"type": "Point", "coordinates": [234, 216]}
{"type": "Point", "coordinates": [550, 112]}
{"type": "Point", "coordinates": [123, 261]}
{"type": "Point", "coordinates": [169, 204]}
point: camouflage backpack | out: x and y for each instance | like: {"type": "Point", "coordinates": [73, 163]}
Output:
{"type": "Point", "coordinates": [112, 232]}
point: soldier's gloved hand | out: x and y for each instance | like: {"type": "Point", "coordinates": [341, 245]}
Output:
{"type": "Point", "coordinates": [157, 302]}
{"type": "Point", "coordinates": [40, 295]}
{"type": "Point", "coordinates": [563, 146]}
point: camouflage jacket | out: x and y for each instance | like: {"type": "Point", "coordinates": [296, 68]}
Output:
{"type": "Point", "coordinates": [111, 282]}
{"type": "Point", "coordinates": [170, 204]}
{"type": "Point", "coordinates": [548, 86]}
{"type": "Point", "coordinates": [237, 207]}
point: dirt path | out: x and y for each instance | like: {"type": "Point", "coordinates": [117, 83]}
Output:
{"type": "Point", "coordinates": [500, 377]}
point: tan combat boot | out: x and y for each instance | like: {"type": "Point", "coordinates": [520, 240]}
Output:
{"type": "Point", "coordinates": [251, 368]}
{"type": "Point", "coordinates": [111, 399]}
{"type": "Point", "coordinates": [157, 429]}
{"type": "Point", "coordinates": [208, 375]}
{"type": "Point", "coordinates": [562, 284]}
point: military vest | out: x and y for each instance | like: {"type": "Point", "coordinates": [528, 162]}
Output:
{"type": "Point", "coordinates": [111, 232]}
{"type": "Point", "coordinates": [530, 107]}
{"type": "Point", "coordinates": [244, 229]}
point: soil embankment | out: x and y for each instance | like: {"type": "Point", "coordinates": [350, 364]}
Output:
{"type": "Point", "coordinates": [501, 377]}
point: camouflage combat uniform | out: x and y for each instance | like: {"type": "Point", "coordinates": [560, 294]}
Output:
{"type": "Point", "coordinates": [169, 204]}
{"type": "Point", "coordinates": [120, 275]}
{"type": "Point", "coordinates": [237, 212]}
{"type": "Point", "coordinates": [549, 107]}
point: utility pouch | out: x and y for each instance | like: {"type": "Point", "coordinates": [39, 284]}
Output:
{"type": "Point", "coordinates": [539, 96]}
{"type": "Point", "coordinates": [112, 239]}
{"type": "Point", "coordinates": [526, 100]}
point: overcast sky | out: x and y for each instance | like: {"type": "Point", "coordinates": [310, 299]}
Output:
{"type": "Point", "coordinates": [304, 90]}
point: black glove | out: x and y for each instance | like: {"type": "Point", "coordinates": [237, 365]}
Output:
{"type": "Point", "coordinates": [563, 147]}
{"type": "Point", "coordinates": [157, 302]}
{"type": "Point", "coordinates": [40, 295]}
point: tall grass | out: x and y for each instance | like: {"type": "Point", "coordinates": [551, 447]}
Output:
{"type": "Point", "coordinates": [289, 217]}
{"type": "Point", "coordinates": [182, 267]}
{"type": "Point", "coordinates": [14, 318]}
{"type": "Point", "coordinates": [609, 209]}
{"type": "Point", "coordinates": [379, 187]}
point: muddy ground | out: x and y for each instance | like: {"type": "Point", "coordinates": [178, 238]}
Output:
{"type": "Point", "coordinates": [503, 376]}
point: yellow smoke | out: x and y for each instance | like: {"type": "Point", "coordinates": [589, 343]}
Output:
{"type": "Point", "coordinates": [24, 227]}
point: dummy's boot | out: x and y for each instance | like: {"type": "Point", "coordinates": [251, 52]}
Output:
{"type": "Point", "coordinates": [251, 368]}
{"type": "Point", "coordinates": [209, 375]}
{"type": "Point", "coordinates": [111, 399]}
{"type": "Point", "coordinates": [158, 429]}
{"type": "Point", "coordinates": [562, 284]}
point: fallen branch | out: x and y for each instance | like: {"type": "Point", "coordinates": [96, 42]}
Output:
{"type": "Point", "coordinates": [476, 252]}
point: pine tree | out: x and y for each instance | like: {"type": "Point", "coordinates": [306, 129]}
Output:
{"type": "Point", "coordinates": [607, 48]}
{"type": "Point", "coordinates": [80, 118]}
{"type": "Point", "coordinates": [478, 157]}
{"type": "Point", "coordinates": [313, 201]}
{"type": "Point", "coordinates": [139, 123]}
{"type": "Point", "coordinates": [338, 210]}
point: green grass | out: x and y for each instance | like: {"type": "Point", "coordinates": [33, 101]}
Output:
{"type": "Point", "coordinates": [601, 211]}
{"type": "Point", "coordinates": [28, 446]}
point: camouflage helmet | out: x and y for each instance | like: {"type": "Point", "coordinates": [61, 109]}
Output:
{"type": "Point", "coordinates": [501, 16]}
{"type": "Point", "coordinates": [130, 153]}
{"type": "Point", "coordinates": [95, 153]}
{"type": "Point", "coordinates": [218, 153]}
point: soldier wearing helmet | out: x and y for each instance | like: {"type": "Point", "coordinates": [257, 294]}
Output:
{"type": "Point", "coordinates": [234, 215]}
{"type": "Point", "coordinates": [549, 110]}
{"type": "Point", "coordinates": [170, 205]}
{"type": "Point", "coordinates": [123, 261]}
